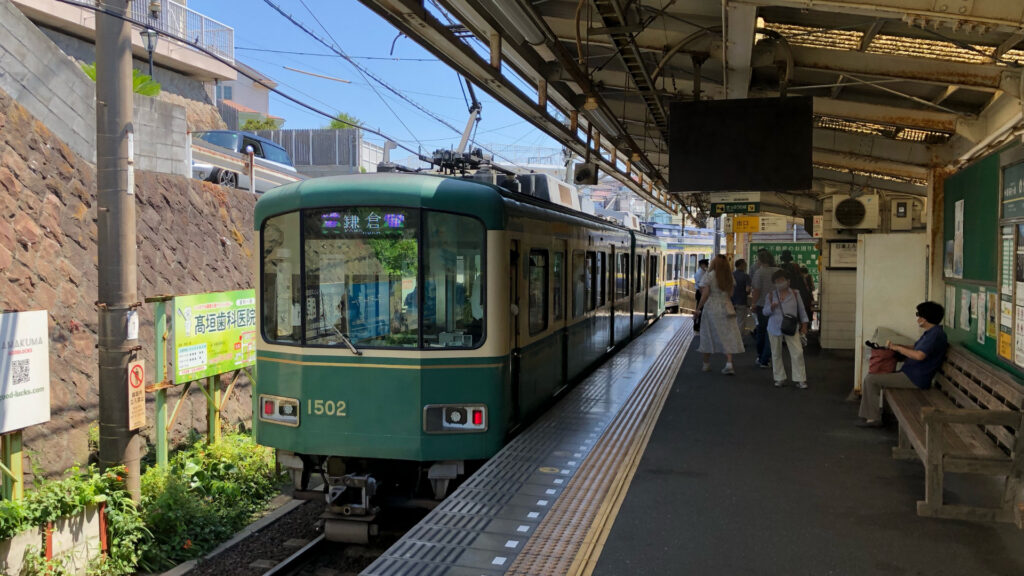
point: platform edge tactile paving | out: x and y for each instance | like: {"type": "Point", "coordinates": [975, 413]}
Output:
{"type": "Point", "coordinates": [577, 449]}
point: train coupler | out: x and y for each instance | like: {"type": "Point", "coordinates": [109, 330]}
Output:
{"type": "Point", "coordinates": [351, 494]}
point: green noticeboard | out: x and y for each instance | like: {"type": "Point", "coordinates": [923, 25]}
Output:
{"type": "Point", "coordinates": [804, 254]}
{"type": "Point", "coordinates": [213, 333]}
{"type": "Point", "coordinates": [1013, 191]}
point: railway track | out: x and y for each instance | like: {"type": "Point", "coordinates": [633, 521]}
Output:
{"type": "Point", "coordinates": [293, 564]}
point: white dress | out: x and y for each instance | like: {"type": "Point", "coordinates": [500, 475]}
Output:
{"type": "Point", "coordinates": [718, 331]}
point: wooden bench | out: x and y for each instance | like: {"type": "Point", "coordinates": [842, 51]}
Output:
{"type": "Point", "coordinates": [970, 422]}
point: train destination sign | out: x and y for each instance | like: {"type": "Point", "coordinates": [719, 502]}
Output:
{"type": "Point", "coordinates": [362, 221]}
{"type": "Point", "coordinates": [24, 370]}
{"type": "Point", "coordinates": [213, 333]}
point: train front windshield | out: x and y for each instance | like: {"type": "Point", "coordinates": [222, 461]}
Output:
{"type": "Point", "coordinates": [380, 277]}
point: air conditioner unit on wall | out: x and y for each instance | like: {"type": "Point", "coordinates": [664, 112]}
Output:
{"type": "Point", "coordinates": [860, 213]}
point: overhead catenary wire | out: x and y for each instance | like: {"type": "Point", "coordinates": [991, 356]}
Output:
{"type": "Point", "coordinates": [334, 47]}
{"type": "Point", "coordinates": [239, 70]}
{"type": "Point", "coordinates": [358, 69]}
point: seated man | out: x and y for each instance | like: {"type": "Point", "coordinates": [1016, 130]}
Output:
{"type": "Point", "coordinates": [919, 367]}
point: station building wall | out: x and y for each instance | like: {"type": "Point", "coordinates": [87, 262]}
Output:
{"type": "Point", "coordinates": [192, 237]}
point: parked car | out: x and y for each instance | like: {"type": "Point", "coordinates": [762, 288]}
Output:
{"type": "Point", "coordinates": [273, 165]}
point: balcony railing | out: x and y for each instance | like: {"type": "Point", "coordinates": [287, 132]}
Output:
{"type": "Point", "coordinates": [186, 25]}
{"type": "Point", "coordinates": [189, 26]}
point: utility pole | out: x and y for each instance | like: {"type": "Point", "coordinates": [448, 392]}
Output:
{"type": "Point", "coordinates": [117, 305]}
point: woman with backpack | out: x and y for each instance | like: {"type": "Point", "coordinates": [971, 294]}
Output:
{"type": "Point", "coordinates": [787, 321]}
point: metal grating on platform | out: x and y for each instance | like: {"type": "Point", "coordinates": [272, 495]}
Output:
{"type": "Point", "coordinates": [511, 516]}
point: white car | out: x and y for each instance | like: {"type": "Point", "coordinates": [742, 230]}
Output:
{"type": "Point", "coordinates": [273, 165]}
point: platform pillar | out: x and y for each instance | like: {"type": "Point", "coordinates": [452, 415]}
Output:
{"type": "Point", "coordinates": [161, 393]}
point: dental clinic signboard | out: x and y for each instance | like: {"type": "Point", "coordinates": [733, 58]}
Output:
{"type": "Point", "coordinates": [214, 333]}
{"type": "Point", "coordinates": [24, 370]}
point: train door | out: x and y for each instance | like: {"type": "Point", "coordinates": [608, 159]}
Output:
{"type": "Point", "coordinates": [513, 326]}
{"type": "Point", "coordinates": [647, 291]}
{"type": "Point", "coordinates": [560, 302]}
{"type": "Point", "coordinates": [612, 294]}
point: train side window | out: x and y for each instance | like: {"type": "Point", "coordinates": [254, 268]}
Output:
{"type": "Point", "coordinates": [282, 283]}
{"type": "Point", "coordinates": [557, 273]}
{"type": "Point", "coordinates": [602, 282]}
{"type": "Point", "coordinates": [589, 288]}
{"type": "Point", "coordinates": [652, 277]}
{"type": "Point", "coordinates": [537, 288]}
{"type": "Point", "coordinates": [453, 275]}
{"type": "Point", "coordinates": [579, 283]}
{"type": "Point", "coordinates": [622, 277]}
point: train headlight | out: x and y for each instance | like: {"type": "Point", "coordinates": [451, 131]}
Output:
{"type": "Point", "coordinates": [279, 410]}
{"type": "Point", "coordinates": [454, 418]}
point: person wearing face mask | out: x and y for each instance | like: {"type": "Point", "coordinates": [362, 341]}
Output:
{"type": "Point", "coordinates": [783, 301]}
{"type": "Point", "coordinates": [919, 365]}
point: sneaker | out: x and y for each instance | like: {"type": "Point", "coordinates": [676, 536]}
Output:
{"type": "Point", "coordinates": [801, 385]}
{"type": "Point", "coordinates": [706, 367]}
{"type": "Point", "coordinates": [780, 383]}
{"type": "Point", "coordinates": [759, 365]}
{"type": "Point", "coordinates": [728, 369]}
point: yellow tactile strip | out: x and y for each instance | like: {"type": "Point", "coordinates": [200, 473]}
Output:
{"type": "Point", "coordinates": [569, 538]}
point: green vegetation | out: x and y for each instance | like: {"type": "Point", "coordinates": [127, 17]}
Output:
{"type": "Point", "coordinates": [141, 83]}
{"type": "Point", "coordinates": [206, 494]}
{"type": "Point", "coordinates": [343, 121]}
{"type": "Point", "coordinates": [252, 125]}
{"type": "Point", "coordinates": [82, 488]}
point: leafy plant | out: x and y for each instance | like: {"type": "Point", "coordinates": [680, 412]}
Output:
{"type": "Point", "coordinates": [207, 493]}
{"type": "Point", "coordinates": [343, 121]}
{"type": "Point", "coordinates": [141, 83]}
{"type": "Point", "coordinates": [252, 124]}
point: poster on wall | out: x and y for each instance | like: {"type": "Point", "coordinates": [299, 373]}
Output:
{"type": "Point", "coordinates": [950, 318]}
{"type": "Point", "coordinates": [1005, 344]}
{"type": "Point", "coordinates": [1018, 337]}
{"type": "Point", "coordinates": [982, 315]}
{"type": "Point", "coordinates": [965, 310]}
{"type": "Point", "coordinates": [958, 239]}
{"type": "Point", "coordinates": [1006, 263]}
{"type": "Point", "coordinates": [992, 316]}
{"type": "Point", "coordinates": [1018, 266]}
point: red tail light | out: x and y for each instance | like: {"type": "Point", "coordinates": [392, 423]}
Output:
{"type": "Point", "coordinates": [478, 417]}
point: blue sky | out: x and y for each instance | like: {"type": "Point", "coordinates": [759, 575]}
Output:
{"type": "Point", "coordinates": [361, 33]}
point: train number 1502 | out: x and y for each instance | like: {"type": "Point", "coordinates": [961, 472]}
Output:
{"type": "Point", "coordinates": [328, 407]}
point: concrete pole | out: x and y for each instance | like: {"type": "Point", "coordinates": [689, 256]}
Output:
{"type": "Point", "coordinates": [115, 212]}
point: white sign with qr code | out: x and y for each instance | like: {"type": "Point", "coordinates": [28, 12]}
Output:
{"type": "Point", "coordinates": [24, 370]}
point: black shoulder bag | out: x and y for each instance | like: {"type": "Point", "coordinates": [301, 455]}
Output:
{"type": "Point", "coordinates": [789, 322]}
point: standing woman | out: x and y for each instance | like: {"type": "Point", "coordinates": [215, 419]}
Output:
{"type": "Point", "coordinates": [785, 301]}
{"type": "Point", "coordinates": [719, 332]}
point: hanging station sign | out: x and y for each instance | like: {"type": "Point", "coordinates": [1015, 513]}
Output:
{"type": "Point", "coordinates": [735, 203]}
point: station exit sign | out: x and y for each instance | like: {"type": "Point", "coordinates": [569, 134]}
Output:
{"type": "Point", "coordinates": [735, 203]}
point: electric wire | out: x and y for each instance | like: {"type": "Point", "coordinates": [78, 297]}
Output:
{"type": "Point", "coordinates": [358, 69]}
{"type": "Point", "coordinates": [333, 46]}
{"type": "Point", "coordinates": [238, 69]}
{"type": "Point", "coordinates": [298, 53]}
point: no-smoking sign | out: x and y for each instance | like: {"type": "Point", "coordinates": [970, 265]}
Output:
{"type": "Point", "coordinates": [136, 395]}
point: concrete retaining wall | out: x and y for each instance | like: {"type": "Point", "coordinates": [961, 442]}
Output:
{"type": "Point", "coordinates": [52, 87]}
{"type": "Point", "coordinates": [192, 237]}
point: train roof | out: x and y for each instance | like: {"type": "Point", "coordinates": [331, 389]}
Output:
{"type": "Point", "coordinates": [409, 190]}
{"type": "Point", "coordinates": [430, 191]}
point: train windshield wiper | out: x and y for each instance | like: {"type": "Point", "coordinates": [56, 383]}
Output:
{"type": "Point", "coordinates": [347, 342]}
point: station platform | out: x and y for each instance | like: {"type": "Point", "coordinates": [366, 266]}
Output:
{"type": "Point", "coordinates": [651, 466]}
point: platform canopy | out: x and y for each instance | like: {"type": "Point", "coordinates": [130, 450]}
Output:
{"type": "Point", "coordinates": [901, 88]}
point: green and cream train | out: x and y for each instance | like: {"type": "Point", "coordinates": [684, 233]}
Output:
{"type": "Point", "coordinates": [410, 324]}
